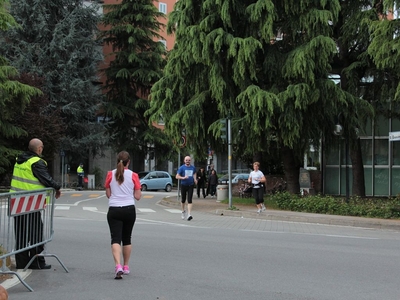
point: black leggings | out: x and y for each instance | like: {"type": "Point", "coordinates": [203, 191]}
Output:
{"type": "Point", "coordinates": [258, 195]}
{"type": "Point", "coordinates": [187, 190]}
{"type": "Point", "coordinates": [121, 221]}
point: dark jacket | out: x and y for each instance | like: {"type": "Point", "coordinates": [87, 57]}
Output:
{"type": "Point", "coordinates": [201, 177]}
{"type": "Point", "coordinates": [213, 179]}
{"type": "Point", "coordinates": [39, 170]}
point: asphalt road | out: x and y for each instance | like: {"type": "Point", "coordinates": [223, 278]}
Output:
{"type": "Point", "coordinates": [212, 257]}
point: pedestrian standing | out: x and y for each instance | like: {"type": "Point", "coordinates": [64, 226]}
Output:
{"type": "Point", "coordinates": [201, 182]}
{"type": "Point", "coordinates": [122, 190]}
{"type": "Point", "coordinates": [213, 182]}
{"type": "Point", "coordinates": [31, 173]}
{"type": "Point", "coordinates": [187, 175]}
{"type": "Point", "coordinates": [81, 173]}
{"type": "Point", "coordinates": [257, 179]}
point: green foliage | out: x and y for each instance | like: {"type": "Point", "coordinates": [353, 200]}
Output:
{"type": "Point", "coordinates": [264, 63]}
{"type": "Point", "coordinates": [137, 63]}
{"type": "Point", "coordinates": [359, 207]}
{"type": "Point", "coordinates": [385, 45]}
{"type": "Point", "coordinates": [14, 98]}
{"type": "Point", "coordinates": [56, 41]}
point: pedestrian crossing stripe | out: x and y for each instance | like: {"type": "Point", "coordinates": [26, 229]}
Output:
{"type": "Point", "coordinates": [89, 208]}
{"type": "Point", "coordinates": [174, 211]}
{"type": "Point", "coordinates": [147, 210]}
{"type": "Point", "coordinates": [62, 207]}
{"type": "Point", "coordinates": [148, 196]}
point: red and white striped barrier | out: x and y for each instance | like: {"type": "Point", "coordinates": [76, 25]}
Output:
{"type": "Point", "coordinates": [25, 204]}
{"type": "Point", "coordinates": [26, 222]}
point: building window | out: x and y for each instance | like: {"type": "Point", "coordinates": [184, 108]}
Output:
{"type": "Point", "coordinates": [162, 7]}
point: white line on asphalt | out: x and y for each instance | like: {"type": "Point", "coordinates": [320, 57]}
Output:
{"type": "Point", "coordinates": [62, 207]}
{"type": "Point", "coordinates": [146, 210]}
{"type": "Point", "coordinates": [89, 208]}
{"type": "Point", "coordinates": [174, 211]}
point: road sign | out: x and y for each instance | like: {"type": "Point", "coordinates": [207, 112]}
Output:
{"type": "Point", "coordinates": [224, 129]}
{"type": "Point", "coordinates": [183, 141]}
{"type": "Point", "coordinates": [62, 153]}
{"type": "Point", "coordinates": [394, 136]}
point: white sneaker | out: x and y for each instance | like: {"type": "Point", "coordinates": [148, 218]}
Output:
{"type": "Point", "coordinates": [184, 215]}
{"type": "Point", "coordinates": [263, 208]}
{"type": "Point", "coordinates": [259, 210]}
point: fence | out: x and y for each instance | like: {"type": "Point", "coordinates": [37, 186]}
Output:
{"type": "Point", "coordinates": [26, 222]}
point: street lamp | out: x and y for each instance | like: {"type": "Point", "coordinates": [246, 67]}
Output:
{"type": "Point", "coordinates": [338, 130]}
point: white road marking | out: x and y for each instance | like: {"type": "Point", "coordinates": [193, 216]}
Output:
{"type": "Point", "coordinates": [146, 210]}
{"type": "Point", "coordinates": [62, 207]}
{"type": "Point", "coordinates": [173, 211]}
{"type": "Point", "coordinates": [89, 208]}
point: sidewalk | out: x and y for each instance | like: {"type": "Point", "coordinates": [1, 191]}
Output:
{"type": "Point", "coordinates": [210, 205]}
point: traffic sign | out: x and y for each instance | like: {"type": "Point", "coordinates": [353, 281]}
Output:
{"type": "Point", "coordinates": [394, 136]}
{"type": "Point", "coordinates": [183, 141]}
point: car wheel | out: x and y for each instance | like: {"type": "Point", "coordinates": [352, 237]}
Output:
{"type": "Point", "coordinates": [168, 188]}
{"type": "Point", "coordinates": [144, 187]}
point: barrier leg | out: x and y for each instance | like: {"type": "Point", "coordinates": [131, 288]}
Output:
{"type": "Point", "coordinates": [19, 277]}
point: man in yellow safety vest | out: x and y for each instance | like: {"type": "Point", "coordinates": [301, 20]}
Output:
{"type": "Point", "coordinates": [81, 173]}
{"type": "Point", "coordinates": [31, 173]}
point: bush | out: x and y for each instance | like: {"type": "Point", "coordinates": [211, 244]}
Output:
{"type": "Point", "coordinates": [360, 207]}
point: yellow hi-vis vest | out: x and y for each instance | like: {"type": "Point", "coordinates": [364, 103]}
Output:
{"type": "Point", "coordinates": [80, 170]}
{"type": "Point", "coordinates": [23, 178]}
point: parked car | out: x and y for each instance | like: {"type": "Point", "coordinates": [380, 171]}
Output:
{"type": "Point", "coordinates": [155, 180]}
{"type": "Point", "coordinates": [142, 174]}
{"type": "Point", "coordinates": [235, 178]}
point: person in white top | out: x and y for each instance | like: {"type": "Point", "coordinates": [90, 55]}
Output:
{"type": "Point", "coordinates": [122, 190]}
{"type": "Point", "coordinates": [257, 179]}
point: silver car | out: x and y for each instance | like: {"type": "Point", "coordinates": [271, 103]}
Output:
{"type": "Point", "coordinates": [155, 180]}
{"type": "Point", "coordinates": [235, 178]}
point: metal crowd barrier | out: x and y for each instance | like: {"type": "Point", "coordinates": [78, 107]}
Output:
{"type": "Point", "coordinates": [26, 222]}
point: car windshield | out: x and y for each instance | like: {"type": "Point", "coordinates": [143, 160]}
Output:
{"type": "Point", "coordinates": [142, 174]}
{"type": "Point", "coordinates": [225, 177]}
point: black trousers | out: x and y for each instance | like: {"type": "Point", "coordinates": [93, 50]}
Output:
{"type": "Point", "coordinates": [121, 221]}
{"type": "Point", "coordinates": [28, 231]}
{"type": "Point", "coordinates": [80, 181]}
{"type": "Point", "coordinates": [187, 192]}
{"type": "Point", "coordinates": [200, 185]}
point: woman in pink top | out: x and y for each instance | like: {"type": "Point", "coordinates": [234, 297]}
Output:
{"type": "Point", "coordinates": [122, 189]}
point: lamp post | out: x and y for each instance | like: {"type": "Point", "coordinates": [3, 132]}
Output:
{"type": "Point", "coordinates": [338, 130]}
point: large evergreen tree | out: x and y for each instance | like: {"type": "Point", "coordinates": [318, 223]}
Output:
{"type": "Point", "coordinates": [14, 98]}
{"type": "Point", "coordinates": [57, 42]}
{"type": "Point", "coordinates": [385, 45]}
{"type": "Point", "coordinates": [266, 64]}
{"type": "Point", "coordinates": [137, 59]}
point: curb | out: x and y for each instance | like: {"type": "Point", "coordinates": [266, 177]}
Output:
{"type": "Point", "coordinates": [290, 216]}
{"type": "Point", "coordinates": [9, 283]}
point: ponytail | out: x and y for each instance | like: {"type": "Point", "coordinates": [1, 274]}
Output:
{"type": "Point", "coordinates": [122, 160]}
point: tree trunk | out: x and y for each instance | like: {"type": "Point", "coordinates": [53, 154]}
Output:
{"type": "Point", "coordinates": [291, 166]}
{"type": "Point", "coordinates": [358, 169]}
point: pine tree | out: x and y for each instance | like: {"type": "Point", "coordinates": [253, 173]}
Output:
{"type": "Point", "coordinates": [57, 41]}
{"type": "Point", "coordinates": [137, 60]}
{"type": "Point", "coordinates": [266, 63]}
{"type": "Point", "coordinates": [385, 44]}
{"type": "Point", "coordinates": [14, 98]}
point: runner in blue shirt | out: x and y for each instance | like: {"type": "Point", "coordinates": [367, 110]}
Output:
{"type": "Point", "coordinates": [187, 175]}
